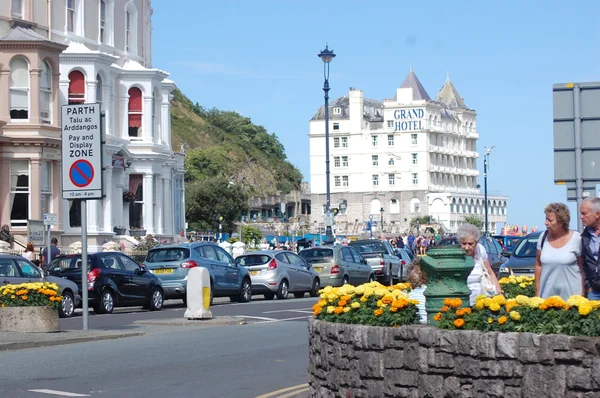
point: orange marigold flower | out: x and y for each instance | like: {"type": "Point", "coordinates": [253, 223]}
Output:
{"type": "Point", "coordinates": [378, 312]}
{"type": "Point", "coordinates": [502, 320]}
{"type": "Point", "coordinates": [346, 298]}
{"type": "Point", "coordinates": [447, 301]}
{"type": "Point", "coordinates": [387, 300]}
{"type": "Point", "coordinates": [444, 309]}
{"type": "Point", "coordinates": [317, 310]}
{"type": "Point", "coordinates": [342, 303]}
{"type": "Point", "coordinates": [338, 310]}
{"type": "Point", "coordinates": [437, 317]}
{"type": "Point", "coordinates": [400, 302]}
{"type": "Point", "coordinates": [393, 309]}
{"type": "Point", "coordinates": [456, 303]}
{"type": "Point", "coordinates": [467, 310]}
{"type": "Point", "coordinates": [459, 323]}
{"type": "Point", "coordinates": [24, 298]}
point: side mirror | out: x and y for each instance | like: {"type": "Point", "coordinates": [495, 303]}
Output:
{"type": "Point", "coordinates": [141, 270]}
{"type": "Point", "coordinates": [506, 253]}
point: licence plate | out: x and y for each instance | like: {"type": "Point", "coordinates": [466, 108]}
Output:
{"type": "Point", "coordinates": [254, 273]}
{"type": "Point", "coordinates": [163, 271]}
{"type": "Point", "coordinates": [318, 269]}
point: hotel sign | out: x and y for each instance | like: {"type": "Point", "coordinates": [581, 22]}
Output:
{"type": "Point", "coordinates": [409, 119]}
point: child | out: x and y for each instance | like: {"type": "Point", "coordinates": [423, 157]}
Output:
{"type": "Point", "coordinates": [418, 281]}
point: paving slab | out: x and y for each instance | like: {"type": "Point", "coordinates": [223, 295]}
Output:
{"type": "Point", "coordinates": [212, 322]}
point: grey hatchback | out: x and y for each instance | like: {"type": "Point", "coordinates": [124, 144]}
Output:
{"type": "Point", "coordinates": [171, 264]}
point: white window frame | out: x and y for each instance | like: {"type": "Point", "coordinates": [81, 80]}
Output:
{"type": "Point", "coordinates": [413, 139]}
{"type": "Point", "coordinates": [391, 179]}
{"type": "Point", "coordinates": [102, 31]}
{"type": "Point", "coordinates": [390, 138]}
{"type": "Point", "coordinates": [391, 162]}
{"type": "Point", "coordinates": [345, 181]}
{"type": "Point", "coordinates": [337, 111]}
{"type": "Point", "coordinates": [344, 161]}
{"type": "Point", "coordinates": [415, 158]}
{"type": "Point", "coordinates": [23, 190]}
{"type": "Point", "coordinates": [375, 179]}
{"type": "Point", "coordinates": [71, 15]}
{"type": "Point", "coordinates": [344, 142]}
{"type": "Point", "coordinates": [336, 126]}
{"type": "Point", "coordinates": [20, 89]}
{"type": "Point", "coordinates": [415, 178]}
{"type": "Point", "coordinates": [131, 28]}
{"type": "Point", "coordinates": [375, 160]}
{"type": "Point", "coordinates": [46, 93]}
{"type": "Point", "coordinates": [336, 161]}
{"type": "Point", "coordinates": [374, 140]}
{"type": "Point", "coordinates": [336, 142]}
{"type": "Point", "coordinates": [46, 194]}
{"type": "Point", "coordinates": [17, 9]}
{"type": "Point", "coordinates": [337, 181]}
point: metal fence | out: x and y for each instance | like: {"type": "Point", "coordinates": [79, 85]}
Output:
{"type": "Point", "coordinates": [137, 255]}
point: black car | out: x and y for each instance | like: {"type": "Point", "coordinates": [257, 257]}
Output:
{"type": "Point", "coordinates": [522, 259]}
{"type": "Point", "coordinates": [114, 280]}
{"type": "Point", "coordinates": [496, 255]}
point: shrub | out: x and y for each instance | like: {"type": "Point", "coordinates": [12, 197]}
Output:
{"type": "Point", "coordinates": [30, 294]}
{"type": "Point", "coordinates": [577, 316]}
{"type": "Point", "coordinates": [514, 286]}
{"type": "Point", "coordinates": [368, 304]}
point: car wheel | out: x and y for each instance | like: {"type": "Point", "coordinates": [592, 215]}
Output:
{"type": "Point", "coordinates": [269, 296]}
{"type": "Point", "coordinates": [106, 304]}
{"type": "Point", "coordinates": [156, 300]}
{"type": "Point", "coordinates": [299, 294]}
{"type": "Point", "coordinates": [316, 286]}
{"type": "Point", "coordinates": [245, 291]}
{"type": "Point", "coordinates": [67, 306]}
{"type": "Point", "coordinates": [346, 280]}
{"type": "Point", "coordinates": [283, 290]}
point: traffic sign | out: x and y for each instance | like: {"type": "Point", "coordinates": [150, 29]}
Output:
{"type": "Point", "coordinates": [81, 152]}
{"type": "Point", "coordinates": [50, 219]}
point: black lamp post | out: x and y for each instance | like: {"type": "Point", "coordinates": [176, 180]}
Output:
{"type": "Point", "coordinates": [485, 195]}
{"type": "Point", "coordinates": [381, 211]}
{"type": "Point", "coordinates": [326, 56]}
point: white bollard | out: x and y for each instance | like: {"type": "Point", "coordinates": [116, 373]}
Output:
{"type": "Point", "coordinates": [198, 294]}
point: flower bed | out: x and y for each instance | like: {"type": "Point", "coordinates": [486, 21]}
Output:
{"type": "Point", "coordinates": [30, 295]}
{"type": "Point", "coordinates": [514, 286]}
{"type": "Point", "coordinates": [368, 304]}
{"type": "Point", "coordinates": [29, 307]}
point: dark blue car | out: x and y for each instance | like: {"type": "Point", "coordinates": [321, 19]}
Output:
{"type": "Point", "coordinates": [522, 259]}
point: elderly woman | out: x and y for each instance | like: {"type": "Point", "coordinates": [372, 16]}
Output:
{"type": "Point", "coordinates": [468, 237]}
{"type": "Point", "coordinates": [558, 263]}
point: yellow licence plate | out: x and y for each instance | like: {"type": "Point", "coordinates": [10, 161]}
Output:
{"type": "Point", "coordinates": [253, 273]}
{"type": "Point", "coordinates": [163, 271]}
{"type": "Point", "coordinates": [318, 269]}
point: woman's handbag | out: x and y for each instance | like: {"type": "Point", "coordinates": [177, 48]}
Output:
{"type": "Point", "coordinates": [488, 287]}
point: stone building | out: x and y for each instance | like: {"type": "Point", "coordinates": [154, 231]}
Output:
{"type": "Point", "coordinates": [404, 157]}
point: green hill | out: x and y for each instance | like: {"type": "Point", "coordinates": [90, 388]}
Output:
{"type": "Point", "coordinates": [226, 144]}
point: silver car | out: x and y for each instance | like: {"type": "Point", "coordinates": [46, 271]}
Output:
{"type": "Point", "coordinates": [16, 269]}
{"type": "Point", "coordinates": [280, 272]}
{"type": "Point", "coordinates": [338, 265]}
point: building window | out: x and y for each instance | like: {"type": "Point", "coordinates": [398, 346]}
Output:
{"type": "Point", "coordinates": [374, 140]}
{"type": "Point", "coordinates": [46, 93]}
{"type": "Point", "coordinates": [17, 8]}
{"type": "Point", "coordinates": [19, 89]}
{"type": "Point", "coordinates": [344, 161]}
{"type": "Point", "coordinates": [391, 162]}
{"type": "Point", "coordinates": [337, 181]}
{"type": "Point", "coordinates": [375, 179]}
{"type": "Point", "coordinates": [102, 21]}
{"type": "Point", "coordinates": [336, 161]}
{"type": "Point", "coordinates": [415, 178]}
{"type": "Point", "coordinates": [336, 126]}
{"type": "Point", "coordinates": [392, 179]}
{"type": "Point", "coordinates": [375, 160]}
{"type": "Point", "coordinates": [337, 111]}
{"type": "Point", "coordinates": [128, 44]}
{"type": "Point", "coordinates": [413, 138]}
{"type": "Point", "coordinates": [70, 15]}
{"type": "Point", "coordinates": [19, 192]}
{"type": "Point", "coordinates": [99, 89]}
{"type": "Point", "coordinates": [394, 206]}
{"type": "Point", "coordinates": [76, 87]}
{"type": "Point", "coordinates": [415, 205]}
{"type": "Point", "coordinates": [136, 207]}
{"type": "Point", "coordinates": [390, 123]}
{"type": "Point", "coordinates": [135, 112]}
{"type": "Point", "coordinates": [336, 142]}
{"type": "Point", "coordinates": [131, 29]}
{"type": "Point", "coordinates": [390, 140]}
{"type": "Point", "coordinates": [345, 181]}
{"type": "Point", "coordinates": [344, 142]}
{"type": "Point", "coordinates": [414, 158]}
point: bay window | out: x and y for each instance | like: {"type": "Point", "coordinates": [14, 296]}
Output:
{"type": "Point", "coordinates": [135, 112]}
{"type": "Point", "coordinates": [19, 89]}
{"type": "Point", "coordinates": [19, 192]}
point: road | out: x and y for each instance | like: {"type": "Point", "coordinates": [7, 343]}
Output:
{"type": "Point", "coordinates": [268, 353]}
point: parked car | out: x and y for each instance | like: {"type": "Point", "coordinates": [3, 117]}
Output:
{"type": "Point", "coordinates": [171, 263]}
{"type": "Point", "coordinates": [280, 272]}
{"type": "Point", "coordinates": [496, 255]}
{"type": "Point", "coordinates": [114, 280]}
{"type": "Point", "coordinates": [508, 242]}
{"type": "Point", "coordinates": [16, 269]}
{"type": "Point", "coordinates": [380, 256]}
{"type": "Point", "coordinates": [406, 257]}
{"type": "Point", "coordinates": [338, 265]}
{"type": "Point", "coordinates": [522, 259]}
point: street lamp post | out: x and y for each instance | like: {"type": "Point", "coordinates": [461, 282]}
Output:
{"type": "Point", "coordinates": [221, 228]}
{"type": "Point", "coordinates": [326, 56]}
{"type": "Point", "coordinates": [485, 195]}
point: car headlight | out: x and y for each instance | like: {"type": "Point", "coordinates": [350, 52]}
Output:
{"type": "Point", "coordinates": [504, 269]}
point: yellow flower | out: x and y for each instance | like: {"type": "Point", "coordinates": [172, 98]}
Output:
{"type": "Point", "coordinates": [347, 309]}
{"type": "Point", "coordinates": [355, 305]}
{"type": "Point", "coordinates": [515, 316]}
{"type": "Point", "coordinates": [535, 302]}
{"type": "Point", "coordinates": [3, 305]}
{"type": "Point", "coordinates": [13, 296]}
{"type": "Point", "coordinates": [330, 309]}
{"type": "Point", "coordinates": [378, 312]}
{"type": "Point", "coordinates": [490, 320]}
{"type": "Point", "coordinates": [380, 292]}
{"type": "Point", "coordinates": [479, 305]}
{"type": "Point", "coordinates": [495, 307]}
{"type": "Point", "coordinates": [360, 290]}
{"type": "Point", "coordinates": [522, 300]}
{"type": "Point", "coordinates": [331, 297]}
{"type": "Point", "coordinates": [322, 303]}
{"type": "Point", "coordinates": [585, 309]}
{"type": "Point", "coordinates": [500, 300]}
{"type": "Point", "coordinates": [480, 297]}
{"type": "Point", "coordinates": [502, 320]}
{"type": "Point", "coordinates": [503, 281]}
{"type": "Point", "coordinates": [363, 299]}
{"type": "Point", "coordinates": [523, 285]}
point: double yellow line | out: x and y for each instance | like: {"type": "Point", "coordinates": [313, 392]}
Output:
{"type": "Point", "coordinates": [287, 392]}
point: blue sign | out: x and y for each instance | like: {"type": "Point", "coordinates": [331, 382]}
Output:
{"type": "Point", "coordinates": [409, 119]}
{"type": "Point", "coordinates": [81, 173]}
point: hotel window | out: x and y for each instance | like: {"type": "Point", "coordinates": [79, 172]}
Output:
{"type": "Point", "coordinates": [19, 89]}
{"type": "Point", "coordinates": [135, 112]}
{"type": "Point", "coordinates": [71, 15]}
{"type": "Point", "coordinates": [46, 93]}
{"type": "Point", "coordinates": [414, 158]}
{"type": "Point", "coordinates": [17, 8]}
{"type": "Point", "coordinates": [336, 161]}
{"type": "Point", "coordinates": [336, 126]}
{"type": "Point", "coordinates": [392, 179]}
{"type": "Point", "coordinates": [344, 142]}
{"type": "Point", "coordinates": [391, 162]}
{"type": "Point", "coordinates": [390, 140]}
{"type": "Point", "coordinates": [375, 179]}
{"type": "Point", "coordinates": [413, 138]}
{"type": "Point", "coordinates": [344, 161]}
{"type": "Point", "coordinates": [336, 142]}
{"type": "Point", "coordinates": [374, 140]}
{"type": "Point", "coordinates": [46, 190]}
{"type": "Point", "coordinates": [337, 111]}
{"type": "Point", "coordinates": [375, 160]}
{"type": "Point", "coordinates": [345, 181]}
{"type": "Point", "coordinates": [415, 178]}
{"type": "Point", "coordinates": [19, 192]}
{"type": "Point", "coordinates": [76, 87]}
{"type": "Point", "coordinates": [390, 123]}
{"type": "Point", "coordinates": [337, 181]}
{"type": "Point", "coordinates": [102, 21]}
{"type": "Point", "coordinates": [136, 186]}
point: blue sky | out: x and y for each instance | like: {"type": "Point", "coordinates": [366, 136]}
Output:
{"type": "Point", "coordinates": [259, 58]}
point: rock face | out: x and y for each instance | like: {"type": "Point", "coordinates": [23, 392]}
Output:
{"type": "Point", "coordinates": [29, 319]}
{"type": "Point", "coordinates": [423, 361]}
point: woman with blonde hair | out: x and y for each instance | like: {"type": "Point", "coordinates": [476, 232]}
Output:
{"type": "Point", "coordinates": [558, 263]}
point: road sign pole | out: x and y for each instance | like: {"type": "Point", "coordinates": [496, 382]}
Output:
{"type": "Point", "coordinates": [48, 239]}
{"type": "Point", "coordinates": [84, 262]}
{"type": "Point", "coordinates": [578, 151]}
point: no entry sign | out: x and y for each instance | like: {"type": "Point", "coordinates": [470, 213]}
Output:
{"type": "Point", "coordinates": [81, 152]}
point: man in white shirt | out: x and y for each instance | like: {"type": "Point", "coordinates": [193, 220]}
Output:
{"type": "Point", "coordinates": [180, 238]}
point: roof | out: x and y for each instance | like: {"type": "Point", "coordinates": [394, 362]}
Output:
{"type": "Point", "coordinates": [19, 33]}
{"type": "Point", "coordinates": [449, 96]}
{"type": "Point", "coordinates": [412, 81]}
{"type": "Point", "coordinates": [372, 109]}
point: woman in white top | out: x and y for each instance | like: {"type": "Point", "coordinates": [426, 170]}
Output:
{"type": "Point", "coordinates": [468, 237]}
{"type": "Point", "coordinates": [558, 263]}
{"type": "Point", "coordinates": [28, 253]}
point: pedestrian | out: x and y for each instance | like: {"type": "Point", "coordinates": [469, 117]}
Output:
{"type": "Point", "coordinates": [590, 243]}
{"type": "Point", "coordinates": [54, 252]}
{"type": "Point", "coordinates": [411, 242]}
{"type": "Point", "coordinates": [180, 238]}
{"type": "Point", "coordinates": [418, 280]}
{"type": "Point", "coordinates": [468, 237]}
{"type": "Point", "coordinates": [29, 252]}
{"type": "Point", "coordinates": [400, 243]}
{"type": "Point", "coordinates": [558, 263]}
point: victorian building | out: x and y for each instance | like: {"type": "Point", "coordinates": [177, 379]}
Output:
{"type": "Point", "coordinates": [400, 158]}
{"type": "Point", "coordinates": [60, 52]}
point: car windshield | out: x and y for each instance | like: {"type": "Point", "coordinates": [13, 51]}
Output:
{"type": "Point", "coordinates": [527, 247]}
{"type": "Point", "coordinates": [368, 247]}
{"type": "Point", "coordinates": [168, 254]}
{"type": "Point", "coordinates": [253, 259]}
{"type": "Point", "coordinates": [318, 254]}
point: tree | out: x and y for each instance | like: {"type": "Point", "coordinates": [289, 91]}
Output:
{"type": "Point", "coordinates": [211, 198]}
{"type": "Point", "coordinates": [473, 219]}
{"type": "Point", "coordinates": [251, 234]}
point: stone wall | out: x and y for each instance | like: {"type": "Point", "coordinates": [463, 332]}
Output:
{"type": "Point", "coordinates": [423, 361]}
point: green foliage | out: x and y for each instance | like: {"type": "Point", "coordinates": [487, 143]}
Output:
{"type": "Point", "coordinates": [474, 220]}
{"type": "Point", "coordinates": [251, 234]}
{"type": "Point", "coordinates": [212, 197]}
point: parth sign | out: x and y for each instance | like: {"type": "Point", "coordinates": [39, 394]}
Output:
{"type": "Point", "coordinates": [81, 152]}
{"type": "Point", "coordinates": [409, 119]}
